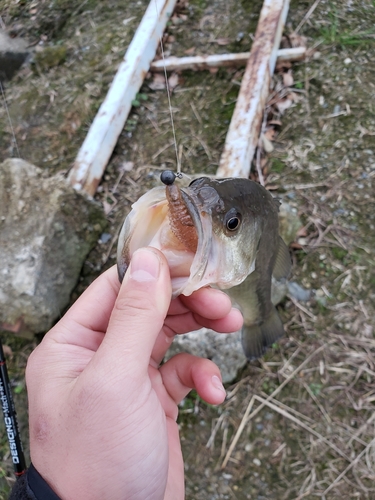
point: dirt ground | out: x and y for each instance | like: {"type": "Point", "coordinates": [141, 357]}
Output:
{"type": "Point", "coordinates": [300, 423]}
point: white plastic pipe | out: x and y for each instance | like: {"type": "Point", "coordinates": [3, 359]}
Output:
{"type": "Point", "coordinates": [102, 137]}
{"type": "Point", "coordinates": [218, 60]}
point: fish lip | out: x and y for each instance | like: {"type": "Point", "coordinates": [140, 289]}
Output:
{"type": "Point", "coordinates": [200, 261]}
{"type": "Point", "coordinates": [202, 223]}
{"type": "Point", "coordinates": [153, 197]}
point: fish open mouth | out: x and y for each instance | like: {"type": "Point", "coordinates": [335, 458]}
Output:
{"type": "Point", "coordinates": [171, 220]}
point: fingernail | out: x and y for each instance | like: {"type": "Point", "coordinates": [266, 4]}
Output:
{"type": "Point", "coordinates": [144, 265]}
{"type": "Point", "coordinates": [216, 382]}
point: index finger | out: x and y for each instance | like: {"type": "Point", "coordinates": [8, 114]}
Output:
{"type": "Point", "coordinates": [208, 302]}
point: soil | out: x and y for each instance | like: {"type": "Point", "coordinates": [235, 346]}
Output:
{"type": "Point", "coordinates": [314, 436]}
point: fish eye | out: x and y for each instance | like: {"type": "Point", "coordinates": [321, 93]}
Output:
{"type": "Point", "coordinates": [233, 221]}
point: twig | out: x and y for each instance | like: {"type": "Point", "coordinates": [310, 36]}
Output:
{"type": "Point", "coordinates": [350, 466]}
{"type": "Point", "coordinates": [315, 399]}
{"type": "Point", "coordinates": [162, 149]}
{"type": "Point", "coordinates": [215, 429]}
{"type": "Point", "coordinates": [303, 425]}
{"type": "Point", "coordinates": [288, 408]}
{"type": "Point", "coordinates": [197, 115]}
{"type": "Point", "coordinates": [248, 416]}
{"type": "Point", "coordinates": [238, 433]}
{"type": "Point", "coordinates": [258, 164]}
{"type": "Point", "coordinates": [303, 309]}
{"type": "Point", "coordinates": [307, 15]}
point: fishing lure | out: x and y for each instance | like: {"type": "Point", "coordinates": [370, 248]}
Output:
{"type": "Point", "coordinates": [180, 220]}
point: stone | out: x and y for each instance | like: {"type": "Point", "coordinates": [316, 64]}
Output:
{"type": "Point", "coordinates": [225, 350]}
{"type": "Point", "coordinates": [289, 222]}
{"type": "Point", "coordinates": [46, 232]}
{"type": "Point", "coordinates": [49, 57]}
{"type": "Point", "coordinates": [299, 293]}
{"type": "Point", "coordinates": [13, 53]}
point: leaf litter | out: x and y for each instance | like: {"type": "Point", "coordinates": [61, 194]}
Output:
{"type": "Point", "coordinates": [300, 422]}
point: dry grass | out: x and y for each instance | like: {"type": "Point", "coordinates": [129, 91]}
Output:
{"type": "Point", "coordinates": [300, 424]}
{"type": "Point", "coordinates": [333, 418]}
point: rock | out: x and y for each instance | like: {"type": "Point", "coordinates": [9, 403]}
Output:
{"type": "Point", "coordinates": [298, 292]}
{"type": "Point", "coordinates": [13, 53]}
{"type": "Point", "coordinates": [49, 57]}
{"type": "Point", "coordinates": [289, 222]}
{"type": "Point", "coordinates": [278, 291]}
{"type": "Point", "coordinates": [223, 349]}
{"type": "Point", "coordinates": [46, 232]}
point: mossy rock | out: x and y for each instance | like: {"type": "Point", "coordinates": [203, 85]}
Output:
{"type": "Point", "coordinates": [50, 57]}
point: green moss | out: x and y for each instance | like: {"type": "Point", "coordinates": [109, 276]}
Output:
{"type": "Point", "coordinates": [339, 253]}
{"type": "Point", "coordinates": [50, 57]}
{"type": "Point", "coordinates": [199, 5]}
{"type": "Point", "coordinates": [277, 165]}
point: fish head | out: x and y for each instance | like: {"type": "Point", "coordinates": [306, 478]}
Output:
{"type": "Point", "coordinates": [237, 217]}
{"type": "Point", "coordinates": [210, 231]}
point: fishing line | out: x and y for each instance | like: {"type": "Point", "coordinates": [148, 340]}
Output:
{"type": "Point", "coordinates": [9, 119]}
{"type": "Point", "coordinates": [179, 174]}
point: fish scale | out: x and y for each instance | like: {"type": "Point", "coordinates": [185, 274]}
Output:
{"type": "Point", "coordinates": [239, 249]}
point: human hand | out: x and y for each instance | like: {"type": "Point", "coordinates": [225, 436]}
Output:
{"type": "Point", "coordinates": [102, 410]}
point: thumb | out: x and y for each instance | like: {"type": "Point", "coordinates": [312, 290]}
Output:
{"type": "Point", "coordinates": [139, 311]}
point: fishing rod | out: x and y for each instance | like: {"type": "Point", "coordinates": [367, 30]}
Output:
{"type": "Point", "coordinates": [10, 418]}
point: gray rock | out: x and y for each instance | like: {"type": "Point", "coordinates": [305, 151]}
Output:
{"type": "Point", "coordinates": [298, 292]}
{"type": "Point", "coordinates": [13, 53]}
{"type": "Point", "coordinates": [289, 222]}
{"type": "Point", "coordinates": [46, 232]}
{"type": "Point", "coordinates": [223, 349]}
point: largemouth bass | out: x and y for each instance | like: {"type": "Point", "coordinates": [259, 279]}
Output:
{"type": "Point", "coordinates": [216, 232]}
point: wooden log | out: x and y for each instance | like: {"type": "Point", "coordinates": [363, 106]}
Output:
{"type": "Point", "coordinates": [243, 134]}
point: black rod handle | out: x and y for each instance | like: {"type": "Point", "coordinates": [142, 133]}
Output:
{"type": "Point", "coordinates": [10, 418]}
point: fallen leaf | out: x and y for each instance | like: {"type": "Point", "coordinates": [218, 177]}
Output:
{"type": "Point", "coordinates": [367, 330]}
{"type": "Point", "coordinates": [267, 144]}
{"type": "Point", "coordinates": [223, 41]}
{"type": "Point", "coordinates": [284, 104]}
{"type": "Point", "coordinates": [270, 134]}
{"type": "Point", "coordinates": [288, 79]}
{"type": "Point", "coordinates": [173, 81]}
{"type": "Point", "coordinates": [302, 232]}
{"type": "Point", "coordinates": [176, 20]}
{"type": "Point", "coordinates": [294, 96]}
{"type": "Point", "coordinates": [238, 75]}
{"type": "Point", "coordinates": [296, 246]}
{"type": "Point", "coordinates": [7, 350]}
{"type": "Point", "coordinates": [108, 207]}
{"type": "Point", "coordinates": [275, 123]}
{"type": "Point", "coordinates": [189, 52]}
{"type": "Point", "coordinates": [158, 82]}
{"type": "Point", "coordinates": [127, 166]}
{"type": "Point", "coordinates": [293, 40]}
{"type": "Point", "coordinates": [206, 20]}
{"type": "Point", "coordinates": [282, 66]}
